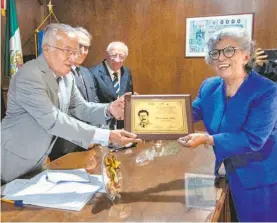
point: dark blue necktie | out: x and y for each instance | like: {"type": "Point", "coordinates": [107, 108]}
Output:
{"type": "Point", "coordinates": [116, 83]}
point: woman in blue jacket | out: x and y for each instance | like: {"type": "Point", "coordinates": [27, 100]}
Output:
{"type": "Point", "coordinates": [239, 111]}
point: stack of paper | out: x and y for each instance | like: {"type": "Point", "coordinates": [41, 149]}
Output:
{"type": "Point", "coordinates": [62, 189]}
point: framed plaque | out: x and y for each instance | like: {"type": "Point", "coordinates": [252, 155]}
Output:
{"type": "Point", "coordinates": [158, 117]}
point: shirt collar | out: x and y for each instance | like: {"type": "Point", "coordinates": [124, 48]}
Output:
{"type": "Point", "coordinates": [110, 69]}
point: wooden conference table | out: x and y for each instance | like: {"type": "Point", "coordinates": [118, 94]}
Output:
{"type": "Point", "coordinates": [153, 190]}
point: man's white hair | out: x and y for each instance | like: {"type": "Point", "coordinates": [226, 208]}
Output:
{"type": "Point", "coordinates": [83, 31]}
{"type": "Point", "coordinates": [117, 44]}
{"type": "Point", "coordinates": [51, 33]}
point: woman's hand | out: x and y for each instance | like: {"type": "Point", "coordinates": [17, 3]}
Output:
{"type": "Point", "coordinates": [193, 140]}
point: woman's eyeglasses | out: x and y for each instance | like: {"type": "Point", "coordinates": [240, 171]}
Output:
{"type": "Point", "coordinates": [228, 52]}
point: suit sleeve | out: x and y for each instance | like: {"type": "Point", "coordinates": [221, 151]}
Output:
{"type": "Point", "coordinates": [95, 98]}
{"type": "Point", "coordinates": [254, 134]}
{"type": "Point", "coordinates": [32, 94]}
{"type": "Point", "coordinates": [92, 85]}
{"type": "Point", "coordinates": [260, 69]}
{"type": "Point", "coordinates": [268, 70]}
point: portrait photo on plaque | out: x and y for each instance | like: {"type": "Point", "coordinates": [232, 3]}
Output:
{"type": "Point", "coordinates": [158, 116]}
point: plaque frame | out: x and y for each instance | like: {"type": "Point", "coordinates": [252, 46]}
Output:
{"type": "Point", "coordinates": [129, 99]}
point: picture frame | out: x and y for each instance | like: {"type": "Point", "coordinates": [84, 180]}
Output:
{"type": "Point", "coordinates": [200, 29]}
{"type": "Point", "coordinates": [158, 117]}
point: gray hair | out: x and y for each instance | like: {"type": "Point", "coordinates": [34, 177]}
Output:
{"type": "Point", "coordinates": [237, 34]}
{"type": "Point", "coordinates": [84, 31]}
{"type": "Point", "coordinates": [51, 33]}
{"type": "Point", "coordinates": [114, 44]}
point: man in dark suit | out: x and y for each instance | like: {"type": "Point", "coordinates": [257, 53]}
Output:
{"type": "Point", "coordinates": [111, 78]}
{"type": "Point", "coordinates": [85, 86]}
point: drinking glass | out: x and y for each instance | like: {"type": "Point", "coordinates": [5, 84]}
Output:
{"type": "Point", "coordinates": [114, 180]}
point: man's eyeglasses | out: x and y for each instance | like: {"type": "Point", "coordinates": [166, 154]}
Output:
{"type": "Point", "coordinates": [67, 52]}
{"type": "Point", "coordinates": [119, 56]}
{"type": "Point", "coordinates": [228, 52]}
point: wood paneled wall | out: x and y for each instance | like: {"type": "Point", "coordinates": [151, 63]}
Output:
{"type": "Point", "coordinates": [29, 15]}
{"type": "Point", "coordinates": [154, 31]}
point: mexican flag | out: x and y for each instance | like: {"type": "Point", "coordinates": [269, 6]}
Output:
{"type": "Point", "coordinates": [13, 49]}
{"type": "Point", "coordinates": [3, 7]}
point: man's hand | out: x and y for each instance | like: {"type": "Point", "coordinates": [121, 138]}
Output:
{"type": "Point", "coordinates": [116, 108]}
{"type": "Point", "coordinates": [260, 57]}
{"type": "Point", "coordinates": [122, 137]}
{"type": "Point", "coordinates": [192, 140]}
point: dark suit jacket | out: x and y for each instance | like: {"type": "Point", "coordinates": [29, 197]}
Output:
{"type": "Point", "coordinates": [104, 86]}
{"type": "Point", "coordinates": [90, 94]}
{"type": "Point", "coordinates": [268, 70]}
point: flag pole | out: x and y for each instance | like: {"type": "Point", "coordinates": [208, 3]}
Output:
{"type": "Point", "coordinates": [50, 8]}
{"type": "Point", "coordinates": [13, 49]}
{"type": "Point", "coordinates": [35, 35]}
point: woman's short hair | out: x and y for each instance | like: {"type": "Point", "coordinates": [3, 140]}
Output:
{"type": "Point", "coordinates": [237, 34]}
{"type": "Point", "coordinates": [51, 33]}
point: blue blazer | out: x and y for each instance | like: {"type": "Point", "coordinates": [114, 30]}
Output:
{"type": "Point", "coordinates": [104, 86]}
{"type": "Point", "coordinates": [244, 128]}
{"type": "Point", "coordinates": [105, 89]}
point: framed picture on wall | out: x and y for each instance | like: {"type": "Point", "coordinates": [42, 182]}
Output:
{"type": "Point", "coordinates": [200, 29]}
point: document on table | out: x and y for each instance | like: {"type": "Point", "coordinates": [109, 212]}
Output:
{"type": "Point", "coordinates": [77, 175]}
{"type": "Point", "coordinates": [14, 186]}
{"type": "Point", "coordinates": [65, 194]}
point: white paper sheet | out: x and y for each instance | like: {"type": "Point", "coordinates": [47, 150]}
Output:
{"type": "Point", "coordinates": [69, 195]}
{"type": "Point", "coordinates": [77, 175]}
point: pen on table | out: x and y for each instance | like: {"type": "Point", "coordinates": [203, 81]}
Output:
{"type": "Point", "coordinates": [124, 147]}
{"type": "Point", "coordinates": [16, 203]}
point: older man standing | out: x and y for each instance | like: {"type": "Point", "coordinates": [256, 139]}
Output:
{"type": "Point", "coordinates": [112, 79]}
{"type": "Point", "coordinates": [40, 97]}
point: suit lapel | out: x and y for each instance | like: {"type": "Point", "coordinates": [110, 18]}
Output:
{"type": "Point", "coordinates": [79, 84]}
{"type": "Point", "coordinates": [50, 80]}
{"type": "Point", "coordinates": [105, 76]}
{"type": "Point", "coordinates": [233, 119]}
{"type": "Point", "coordinates": [89, 84]}
{"type": "Point", "coordinates": [219, 103]}
{"type": "Point", "coordinates": [123, 81]}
